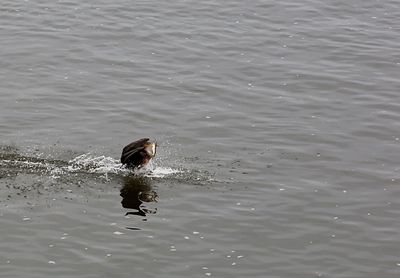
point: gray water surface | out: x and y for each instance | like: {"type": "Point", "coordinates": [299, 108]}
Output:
{"type": "Point", "coordinates": [278, 125]}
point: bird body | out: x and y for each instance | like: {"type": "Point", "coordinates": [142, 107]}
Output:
{"type": "Point", "coordinates": [138, 153]}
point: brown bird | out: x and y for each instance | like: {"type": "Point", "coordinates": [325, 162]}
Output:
{"type": "Point", "coordinates": [139, 153]}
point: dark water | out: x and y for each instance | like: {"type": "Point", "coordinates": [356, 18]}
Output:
{"type": "Point", "coordinates": [278, 126]}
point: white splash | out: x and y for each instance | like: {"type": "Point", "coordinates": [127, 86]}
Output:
{"type": "Point", "coordinates": [107, 165]}
{"type": "Point", "coordinates": [88, 163]}
{"type": "Point", "coordinates": [95, 164]}
{"type": "Point", "coordinates": [160, 172]}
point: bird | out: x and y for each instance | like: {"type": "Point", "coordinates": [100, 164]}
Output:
{"type": "Point", "coordinates": [138, 153]}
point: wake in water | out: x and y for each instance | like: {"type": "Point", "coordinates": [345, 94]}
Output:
{"type": "Point", "coordinates": [85, 163]}
{"type": "Point", "coordinates": [89, 166]}
{"type": "Point", "coordinates": [34, 175]}
{"type": "Point", "coordinates": [107, 165]}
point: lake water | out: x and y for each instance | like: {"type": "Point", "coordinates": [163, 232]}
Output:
{"type": "Point", "coordinates": [278, 125]}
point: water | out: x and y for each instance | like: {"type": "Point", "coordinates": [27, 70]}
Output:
{"type": "Point", "coordinates": [277, 125]}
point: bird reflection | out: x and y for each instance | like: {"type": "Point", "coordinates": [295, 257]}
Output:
{"type": "Point", "coordinates": [135, 192]}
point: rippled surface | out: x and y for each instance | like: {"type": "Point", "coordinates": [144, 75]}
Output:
{"type": "Point", "coordinates": [278, 132]}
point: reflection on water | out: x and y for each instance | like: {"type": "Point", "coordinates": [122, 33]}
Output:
{"type": "Point", "coordinates": [136, 191]}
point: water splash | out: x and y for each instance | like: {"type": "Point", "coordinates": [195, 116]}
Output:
{"type": "Point", "coordinates": [108, 165]}
{"type": "Point", "coordinates": [87, 163]}
{"type": "Point", "coordinates": [95, 164]}
{"type": "Point", "coordinates": [160, 172]}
